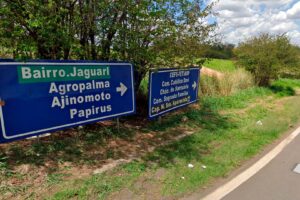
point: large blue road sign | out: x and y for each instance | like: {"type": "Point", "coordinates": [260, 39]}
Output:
{"type": "Point", "coordinates": [170, 89]}
{"type": "Point", "coordinates": [38, 97]}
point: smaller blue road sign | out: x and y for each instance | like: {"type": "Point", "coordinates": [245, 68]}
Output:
{"type": "Point", "coordinates": [170, 89]}
{"type": "Point", "coordinates": [42, 96]}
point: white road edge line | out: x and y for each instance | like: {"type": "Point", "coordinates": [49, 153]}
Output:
{"type": "Point", "coordinates": [248, 173]}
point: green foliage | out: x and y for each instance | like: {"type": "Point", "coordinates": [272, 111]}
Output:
{"type": "Point", "coordinates": [219, 51]}
{"type": "Point", "coordinates": [147, 33]}
{"type": "Point", "coordinates": [285, 87]}
{"type": "Point", "coordinates": [265, 55]}
{"type": "Point", "coordinates": [292, 71]}
{"type": "Point", "coordinates": [235, 101]}
{"type": "Point", "coordinates": [33, 28]}
{"type": "Point", "coordinates": [101, 185]}
{"type": "Point", "coordinates": [221, 65]}
{"type": "Point", "coordinates": [221, 142]}
{"type": "Point", "coordinates": [4, 168]}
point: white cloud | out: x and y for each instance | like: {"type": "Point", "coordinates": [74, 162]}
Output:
{"type": "Point", "coordinates": [283, 27]}
{"type": "Point", "coordinates": [281, 16]}
{"type": "Point", "coordinates": [240, 19]}
{"type": "Point", "coordinates": [295, 36]}
{"type": "Point", "coordinates": [294, 12]}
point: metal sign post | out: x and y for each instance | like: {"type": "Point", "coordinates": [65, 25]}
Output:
{"type": "Point", "coordinates": [159, 120]}
{"type": "Point", "coordinates": [118, 124]}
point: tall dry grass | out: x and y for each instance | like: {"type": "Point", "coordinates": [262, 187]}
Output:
{"type": "Point", "coordinates": [230, 83]}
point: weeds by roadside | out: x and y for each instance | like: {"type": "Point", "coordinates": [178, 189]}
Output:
{"type": "Point", "coordinates": [285, 87]}
{"type": "Point", "coordinates": [230, 83]}
{"type": "Point", "coordinates": [220, 143]}
{"type": "Point", "coordinates": [220, 65]}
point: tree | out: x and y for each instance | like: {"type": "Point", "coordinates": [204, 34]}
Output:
{"type": "Point", "coordinates": [163, 34]}
{"type": "Point", "coordinates": [156, 33]}
{"type": "Point", "coordinates": [219, 50]}
{"type": "Point", "coordinates": [265, 55]}
{"type": "Point", "coordinates": [41, 29]}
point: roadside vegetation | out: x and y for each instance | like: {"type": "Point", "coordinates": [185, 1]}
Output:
{"type": "Point", "coordinates": [229, 83]}
{"type": "Point", "coordinates": [149, 34]}
{"type": "Point", "coordinates": [220, 65]}
{"type": "Point", "coordinates": [267, 56]}
{"type": "Point", "coordinates": [252, 103]}
{"type": "Point", "coordinates": [233, 122]}
{"type": "Point", "coordinates": [226, 132]}
{"type": "Point", "coordinates": [285, 87]}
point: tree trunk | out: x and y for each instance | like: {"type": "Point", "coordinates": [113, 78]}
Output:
{"type": "Point", "coordinates": [93, 45]}
{"type": "Point", "coordinates": [66, 53]}
{"type": "Point", "coordinates": [43, 52]}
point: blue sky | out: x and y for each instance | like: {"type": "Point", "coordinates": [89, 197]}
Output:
{"type": "Point", "coordinates": [238, 19]}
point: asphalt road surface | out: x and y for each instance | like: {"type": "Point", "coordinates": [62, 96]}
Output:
{"type": "Point", "coordinates": [276, 181]}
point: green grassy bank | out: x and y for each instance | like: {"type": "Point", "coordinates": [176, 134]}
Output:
{"type": "Point", "coordinates": [226, 134]}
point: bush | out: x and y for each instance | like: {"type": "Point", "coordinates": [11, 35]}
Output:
{"type": "Point", "coordinates": [242, 79]}
{"type": "Point", "coordinates": [229, 84]}
{"type": "Point", "coordinates": [209, 86]}
{"type": "Point", "coordinates": [285, 87]}
{"type": "Point", "coordinates": [283, 90]}
{"type": "Point", "coordinates": [264, 56]}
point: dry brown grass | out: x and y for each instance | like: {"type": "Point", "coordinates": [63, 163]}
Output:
{"type": "Point", "coordinates": [228, 83]}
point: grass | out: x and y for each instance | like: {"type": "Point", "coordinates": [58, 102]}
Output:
{"type": "Point", "coordinates": [285, 87]}
{"type": "Point", "coordinates": [4, 169]}
{"type": "Point", "coordinates": [220, 65]}
{"type": "Point", "coordinates": [227, 147]}
{"type": "Point", "coordinates": [225, 135]}
{"type": "Point", "coordinates": [55, 178]}
{"type": "Point", "coordinates": [237, 100]}
{"type": "Point", "coordinates": [99, 186]}
{"type": "Point", "coordinates": [221, 142]}
{"type": "Point", "coordinates": [61, 148]}
{"type": "Point", "coordinates": [231, 83]}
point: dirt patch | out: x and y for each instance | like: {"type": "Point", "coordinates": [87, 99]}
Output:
{"type": "Point", "coordinates": [37, 169]}
{"type": "Point", "coordinates": [211, 73]}
{"type": "Point", "coordinates": [146, 187]}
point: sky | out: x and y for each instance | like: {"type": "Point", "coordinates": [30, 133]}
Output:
{"type": "Point", "coordinates": [241, 19]}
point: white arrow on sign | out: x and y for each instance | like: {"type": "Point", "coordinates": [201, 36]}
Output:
{"type": "Point", "coordinates": [194, 85]}
{"type": "Point", "coordinates": [122, 89]}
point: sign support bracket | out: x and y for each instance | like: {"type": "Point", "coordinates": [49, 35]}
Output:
{"type": "Point", "coordinates": [118, 124]}
{"type": "Point", "coordinates": [38, 139]}
{"type": "Point", "coordinates": [160, 120]}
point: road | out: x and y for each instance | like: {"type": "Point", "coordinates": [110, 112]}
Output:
{"type": "Point", "coordinates": [269, 177]}
{"type": "Point", "coordinates": [276, 181]}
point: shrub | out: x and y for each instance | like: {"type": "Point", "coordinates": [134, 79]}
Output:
{"type": "Point", "coordinates": [285, 87]}
{"type": "Point", "coordinates": [230, 83]}
{"type": "Point", "coordinates": [265, 55]}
